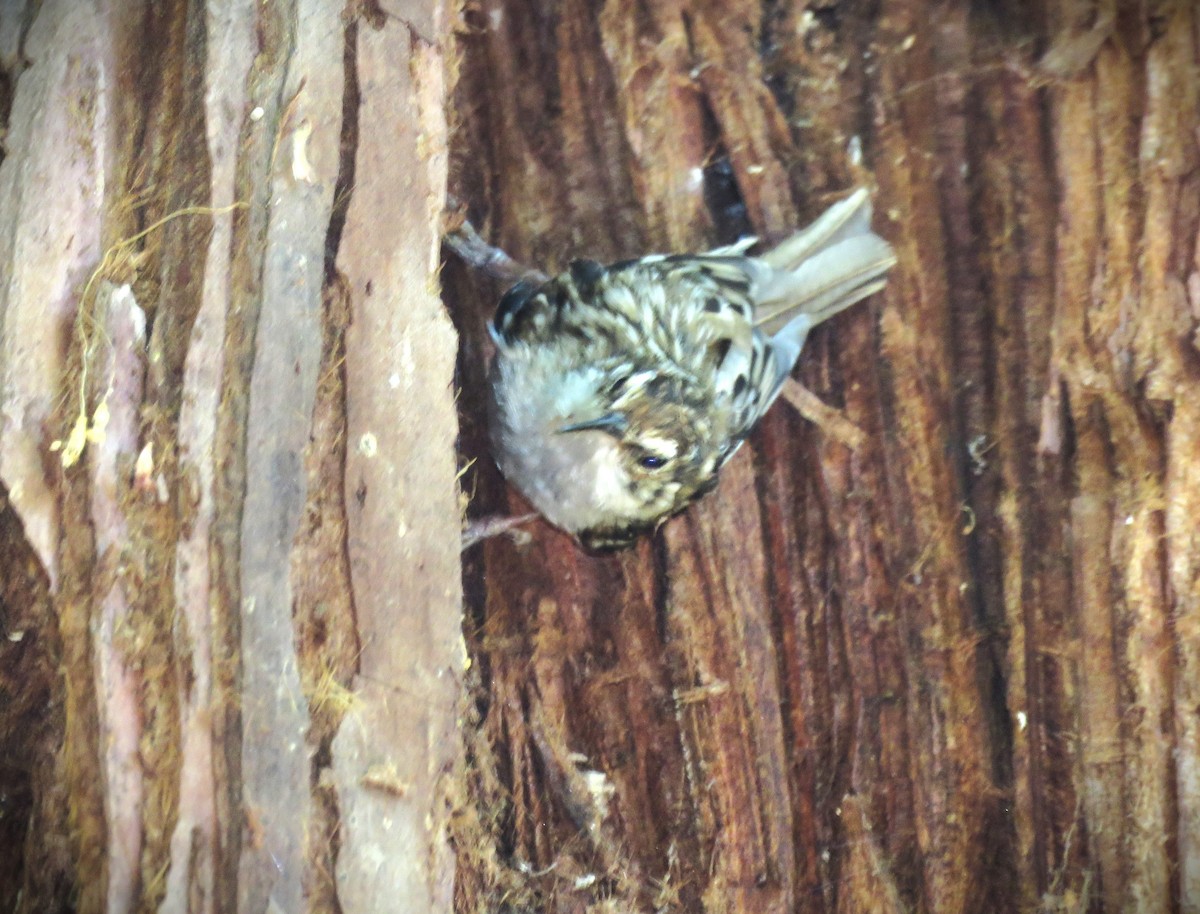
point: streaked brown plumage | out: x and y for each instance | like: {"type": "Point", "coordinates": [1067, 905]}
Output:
{"type": "Point", "coordinates": [619, 391]}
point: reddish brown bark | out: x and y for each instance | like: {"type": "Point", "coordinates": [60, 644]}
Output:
{"type": "Point", "coordinates": [951, 669]}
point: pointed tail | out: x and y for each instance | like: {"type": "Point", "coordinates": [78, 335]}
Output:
{"type": "Point", "coordinates": [818, 272]}
{"type": "Point", "coordinates": [824, 268]}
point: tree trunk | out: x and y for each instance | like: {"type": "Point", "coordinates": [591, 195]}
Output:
{"type": "Point", "coordinates": [955, 668]}
{"type": "Point", "coordinates": [230, 594]}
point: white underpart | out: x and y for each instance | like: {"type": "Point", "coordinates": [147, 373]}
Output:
{"type": "Point", "coordinates": [576, 479]}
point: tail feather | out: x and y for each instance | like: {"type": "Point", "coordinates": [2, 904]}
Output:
{"type": "Point", "coordinates": [829, 281]}
{"type": "Point", "coordinates": [823, 268]}
{"type": "Point", "coordinates": [818, 272]}
{"type": "Point", "coordinates": [847, 218]}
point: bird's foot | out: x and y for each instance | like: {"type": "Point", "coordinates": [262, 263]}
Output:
{"type": "Point", "coordinates": [486, 527]}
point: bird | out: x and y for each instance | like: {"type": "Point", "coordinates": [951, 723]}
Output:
{"type": "Point", "coordinates": [618, 392]}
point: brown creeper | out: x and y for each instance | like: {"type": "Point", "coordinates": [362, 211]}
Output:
{"type": "Point", "coordinates": [618, 392]}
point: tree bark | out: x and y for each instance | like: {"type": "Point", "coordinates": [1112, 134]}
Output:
{"type": "Point", "coordinates": [955, 668]}
{"type": "Point", "coordinates": [231, 594]}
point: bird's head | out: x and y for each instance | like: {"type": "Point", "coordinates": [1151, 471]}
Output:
{"type": "Point", "coordinates": [650, 448]}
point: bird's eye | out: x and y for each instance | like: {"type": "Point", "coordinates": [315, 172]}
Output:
{"type": "Point", "coordinates": [653, 462]}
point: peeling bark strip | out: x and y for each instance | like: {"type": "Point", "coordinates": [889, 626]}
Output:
{"type": "Point", "coordinates": [175, 325]}
{"type": "Point", "coordinates": [953, 669]}
{"type": "Point", "coordinates": [118, 376]}
{"type": "Point", "coordinates": [282, 386]}
{"type": "Point", "coordinates": [50, 244]}
{"type": "Point", "coordinates": [49, 251]}
{"type": "Point", "coordinates": [195, 837]}
{"type": "Point", "coordinates": [403, 521]}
